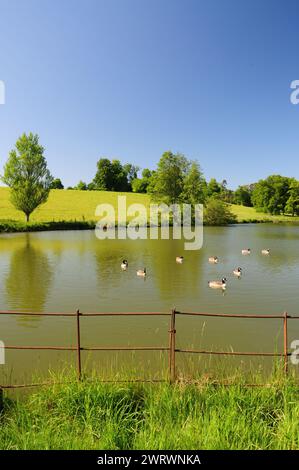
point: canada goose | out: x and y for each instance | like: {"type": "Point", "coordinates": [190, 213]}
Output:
{"type": "Point", "coordinates": [246, 251]}
{"type": "Point", "coordinates": [218, 284]}
{"type": "Point", "coordinates": [214, 259]}
{"type": "Point", "coordinates": [141, 272]}
{"type": "Point", "coordinates": [266, 252]}
{"type": "Point", "coordinates": [179, 259]}
{"type": "Point", "coordinates": [237, 272]}
{"type": "Point", "coordinates": [124, 264]}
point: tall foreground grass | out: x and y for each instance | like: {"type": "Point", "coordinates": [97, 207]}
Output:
{"type": "Point", "coordinates": [94, 415]}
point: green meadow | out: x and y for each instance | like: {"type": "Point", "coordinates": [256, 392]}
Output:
{"type": "Point", "coordinates": [67, 205]}
{"type": "Point", "coordinates": [249, 214]}
{"type": "Point", "coordinates": [76, 209]}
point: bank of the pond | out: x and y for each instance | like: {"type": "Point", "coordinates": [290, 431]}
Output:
{"type": "Point", "coordinates": [13, 226]}
{"type": "Point", "coordinates": [93, 415]}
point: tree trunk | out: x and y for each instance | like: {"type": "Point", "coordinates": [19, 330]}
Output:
{"type": "Point", "coordinates": [27, 217]}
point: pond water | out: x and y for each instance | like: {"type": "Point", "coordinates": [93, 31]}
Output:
{"type": "Point", "coordinates": [63, 271]}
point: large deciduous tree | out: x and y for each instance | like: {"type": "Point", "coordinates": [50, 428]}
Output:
{"type": "Point", "coordinates": [111, 175]}
{"type": "Point", "coordinates": [104, 177]}
{"type": "Point", "coordinates": [168, 182]}
{"type": "Point", "coordinates": [27, 175]}
{"type": "Point", "coordinates": [194, 187]}
{"type": "Point", "coordinates": [271, 195]}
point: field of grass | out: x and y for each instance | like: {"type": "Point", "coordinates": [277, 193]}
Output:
{"type": "Point", "coordinates": [94, 415]}
{"type": "Point", "coordinates": [67, 205]}
{"type": "Point", "coordinates": [79, 206]}
{"type": "Point", "coordinates": [249, 214]}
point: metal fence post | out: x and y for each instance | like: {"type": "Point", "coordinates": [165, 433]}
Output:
{"type": "Point", "coordinates": [172, 332]}
{"type": "Point", "coordinates": [78, 344]}
{"type": "Point", "coordinates": [285, 342]}
{"type": "Point", "coordinates": [169, 348]}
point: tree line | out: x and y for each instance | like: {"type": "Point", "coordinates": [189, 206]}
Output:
{"type": "Point", "coordinates": [111, 175]}
{"type": "Point", "coordinates": [179, 179]}
{"type": "Point", "coordinates": [275, 195]}
{"type": "Point", "coordinates": [176, 179]}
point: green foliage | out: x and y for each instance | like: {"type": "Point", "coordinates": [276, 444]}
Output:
{"type": "Point", "coordinates": [177, 180]}
{"type": "Point", "coordinates": [140, 185]}
{"type": "Point", "coordinates": [213, 187]}
{"type": "Point", "coordinates": [113, 176]}
{"type": "Point", "coordinates": [194, 185]}
{"type": "Point", "coordinates": [292, 205]}
{"type": "Point", "coordinates": [217, 212]}
{"type": "Point", "coordinates": [168, 181]}
{"type": "Point", "coordinates": [103, 179]}
{"type": "Point", "coordinates": [131, 172]}
{"type": "Point", "coordinates": [271, 195]}
{"type": "Point", "coordinates": [228, 196]}
{"type": "Point", "coordinates": [146, 173]}
{"type": "Point", "coordinates": [243, 196]}
{"type": "Point", "coordinates": [81, 186]}
{"type": "Point", "coordinates": [27, 175]}
{"type": "Point", "coordinates": [56, 184]}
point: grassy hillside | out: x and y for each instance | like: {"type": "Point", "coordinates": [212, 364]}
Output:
{"type": "Point", "coordinates": [249, 214]}
{"type": "Point", "coordinates": [64, 205]}
{"type": "Point", "coordinates": [79, 206]}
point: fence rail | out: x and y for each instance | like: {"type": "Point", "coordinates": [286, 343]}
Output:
{"type": "Point", "coordinates": [171, 348]}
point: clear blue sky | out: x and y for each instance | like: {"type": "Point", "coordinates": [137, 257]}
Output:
{"type": "Point", "coordinates": [130, 79]}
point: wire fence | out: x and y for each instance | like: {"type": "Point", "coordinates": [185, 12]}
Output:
{"type": "Point", "coordinates": [171, 349]}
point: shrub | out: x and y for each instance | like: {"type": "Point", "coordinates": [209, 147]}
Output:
{"type": "Point", "coordinates": [217, 212]}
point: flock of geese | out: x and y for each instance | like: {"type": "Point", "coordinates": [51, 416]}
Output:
{"type": "Point", "coordinates": [236, 272]}
{"type": "Point", "coordinates": [213, 260]}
